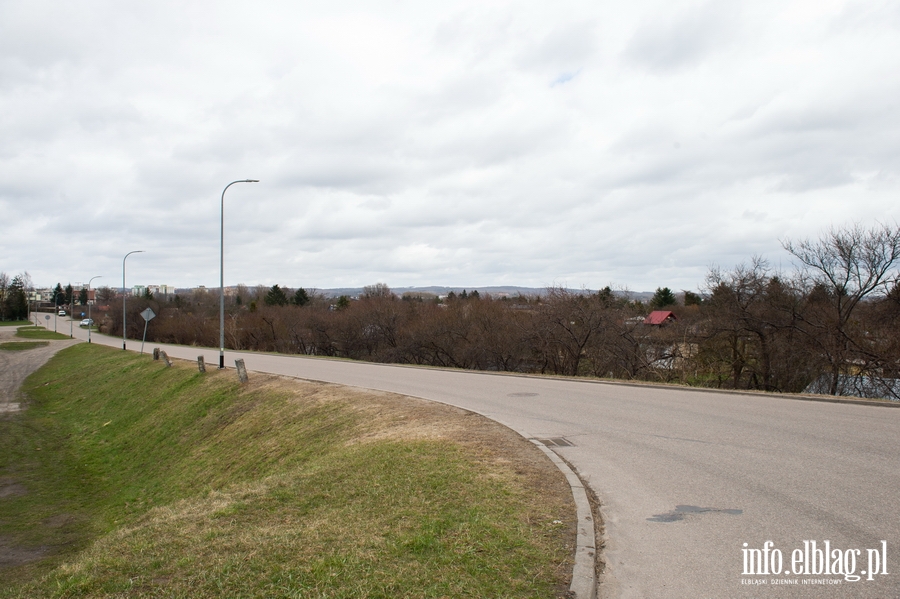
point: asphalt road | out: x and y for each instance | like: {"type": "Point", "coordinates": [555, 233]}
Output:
{"type": "Point", "coordinates": [685, 477]}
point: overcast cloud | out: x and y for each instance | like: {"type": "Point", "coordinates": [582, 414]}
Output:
{"type": "Point", "coordinates": [456, 143]}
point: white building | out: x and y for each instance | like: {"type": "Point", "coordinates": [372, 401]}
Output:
{"type": "Point", "coordinates": [158, 291]}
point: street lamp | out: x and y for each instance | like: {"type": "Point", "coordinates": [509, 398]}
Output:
{"type": "Point", "coordinates": [91, 322]}
{"type": "Point", "coordinates": [124, 293]}
{"type": "Point", "coordinates": [222, 271]}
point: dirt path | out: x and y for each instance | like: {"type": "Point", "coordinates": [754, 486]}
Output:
{"type": "Point", "coordinates": [15, 366]}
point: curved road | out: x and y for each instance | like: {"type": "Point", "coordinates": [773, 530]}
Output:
{"type": "Point", "coordinates": [686, 477]}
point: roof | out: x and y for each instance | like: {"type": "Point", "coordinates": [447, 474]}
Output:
{"type": "Point", "coordinates": [659, 317]}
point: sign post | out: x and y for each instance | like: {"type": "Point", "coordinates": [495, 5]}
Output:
{"type": "Point", "coordinates": [148, 315]}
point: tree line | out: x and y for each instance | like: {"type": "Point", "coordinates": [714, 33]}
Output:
{"type": "Point", "coordinates": [829, 324]}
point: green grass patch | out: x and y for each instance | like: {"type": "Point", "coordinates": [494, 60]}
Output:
{"type": "Point", "coordinates": [33, 332]}
{"type": "Point", "coordinates": [128, 478]}
{"type": "Point", "coordinates": [22, 345]}
{"type": "Point", "coordinates": [14, 323]}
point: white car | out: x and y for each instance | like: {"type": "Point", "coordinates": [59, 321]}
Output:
{"type": "Point", "coordinates": [87, 322]}
{"type": "Point", "coordinates": [62, 312]}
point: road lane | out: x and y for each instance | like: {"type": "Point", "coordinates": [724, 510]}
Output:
{"type": "Point", "coordinates": [744, 469]}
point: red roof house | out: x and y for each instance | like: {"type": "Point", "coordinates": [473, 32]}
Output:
{"type": "Point", "coordinates": [660, 317]}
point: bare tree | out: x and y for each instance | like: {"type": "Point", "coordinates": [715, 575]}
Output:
{"type": "Point", "coordinates": [846, 265]}
{"type": "Point", "coordinates": [751, 330]}
{"type": "Point", "coordinates": [104, 295]}
{"type": "Point", "coordinates": [564, 325]}
{"type": "Point", "coordinates": [378, 290]}
{"type": "Point", "coordinates": [241, 295]}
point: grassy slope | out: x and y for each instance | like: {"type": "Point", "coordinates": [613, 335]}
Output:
{"type": "Point", "coordinates": [151, 481]}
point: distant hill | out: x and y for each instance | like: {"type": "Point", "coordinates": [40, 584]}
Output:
{"type": "Point", "coordinates": [493, 290]}
{"type": "Point", "coordinates": [498, 291]}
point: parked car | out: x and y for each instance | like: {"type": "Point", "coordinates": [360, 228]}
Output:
{"type": "Point", "coordinates": [62, 312]}
{"type": "Point", "coordinates": [87, 322]}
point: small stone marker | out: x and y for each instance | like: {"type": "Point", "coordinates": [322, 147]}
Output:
{"type": "Point", "coordinates": [165, 357]}
{"type": "Point", "coordinates": [156, 353]}
{"type": "Point", "coordinates": [242, 370]}
{"type": "Point", "coordinates": [201, 364]}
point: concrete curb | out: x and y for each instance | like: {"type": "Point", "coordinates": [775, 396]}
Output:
{"type": "Point", "coordinates": [584, 580]}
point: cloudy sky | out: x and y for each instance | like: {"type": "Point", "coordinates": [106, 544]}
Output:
{"type": "Point", "coordinates": [449, 143]}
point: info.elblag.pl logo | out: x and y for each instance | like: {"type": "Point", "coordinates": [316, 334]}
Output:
{"type": "Point", "coordinates": [814, 559]}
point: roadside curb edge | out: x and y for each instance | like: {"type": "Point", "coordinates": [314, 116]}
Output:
{"type": "Point", "coordinates": [584, 580]}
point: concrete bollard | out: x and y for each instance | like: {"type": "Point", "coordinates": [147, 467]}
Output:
{"type": "Point", "coordinates": [156, 353]}
{"type": "Point", "coordinates": [165, 357]}
{"type": "Point", "coordinates": [201, 364]}
{"type": "Point", "coordinates": [242, 370]}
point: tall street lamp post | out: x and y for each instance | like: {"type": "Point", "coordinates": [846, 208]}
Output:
{"type": "Point", "coordinates": [91, 322]}
{"type": "Point", "coordinates": [222, 271]}
{"type": "Point", "coordinates": [125, 293]}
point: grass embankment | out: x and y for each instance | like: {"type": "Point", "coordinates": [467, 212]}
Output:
{"type": "Point", "coordinates": [133, 479]}
{"type": "Point", "coordinates": [33, 332]}
{"type": "Point", "coordinates": [14, 323]}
